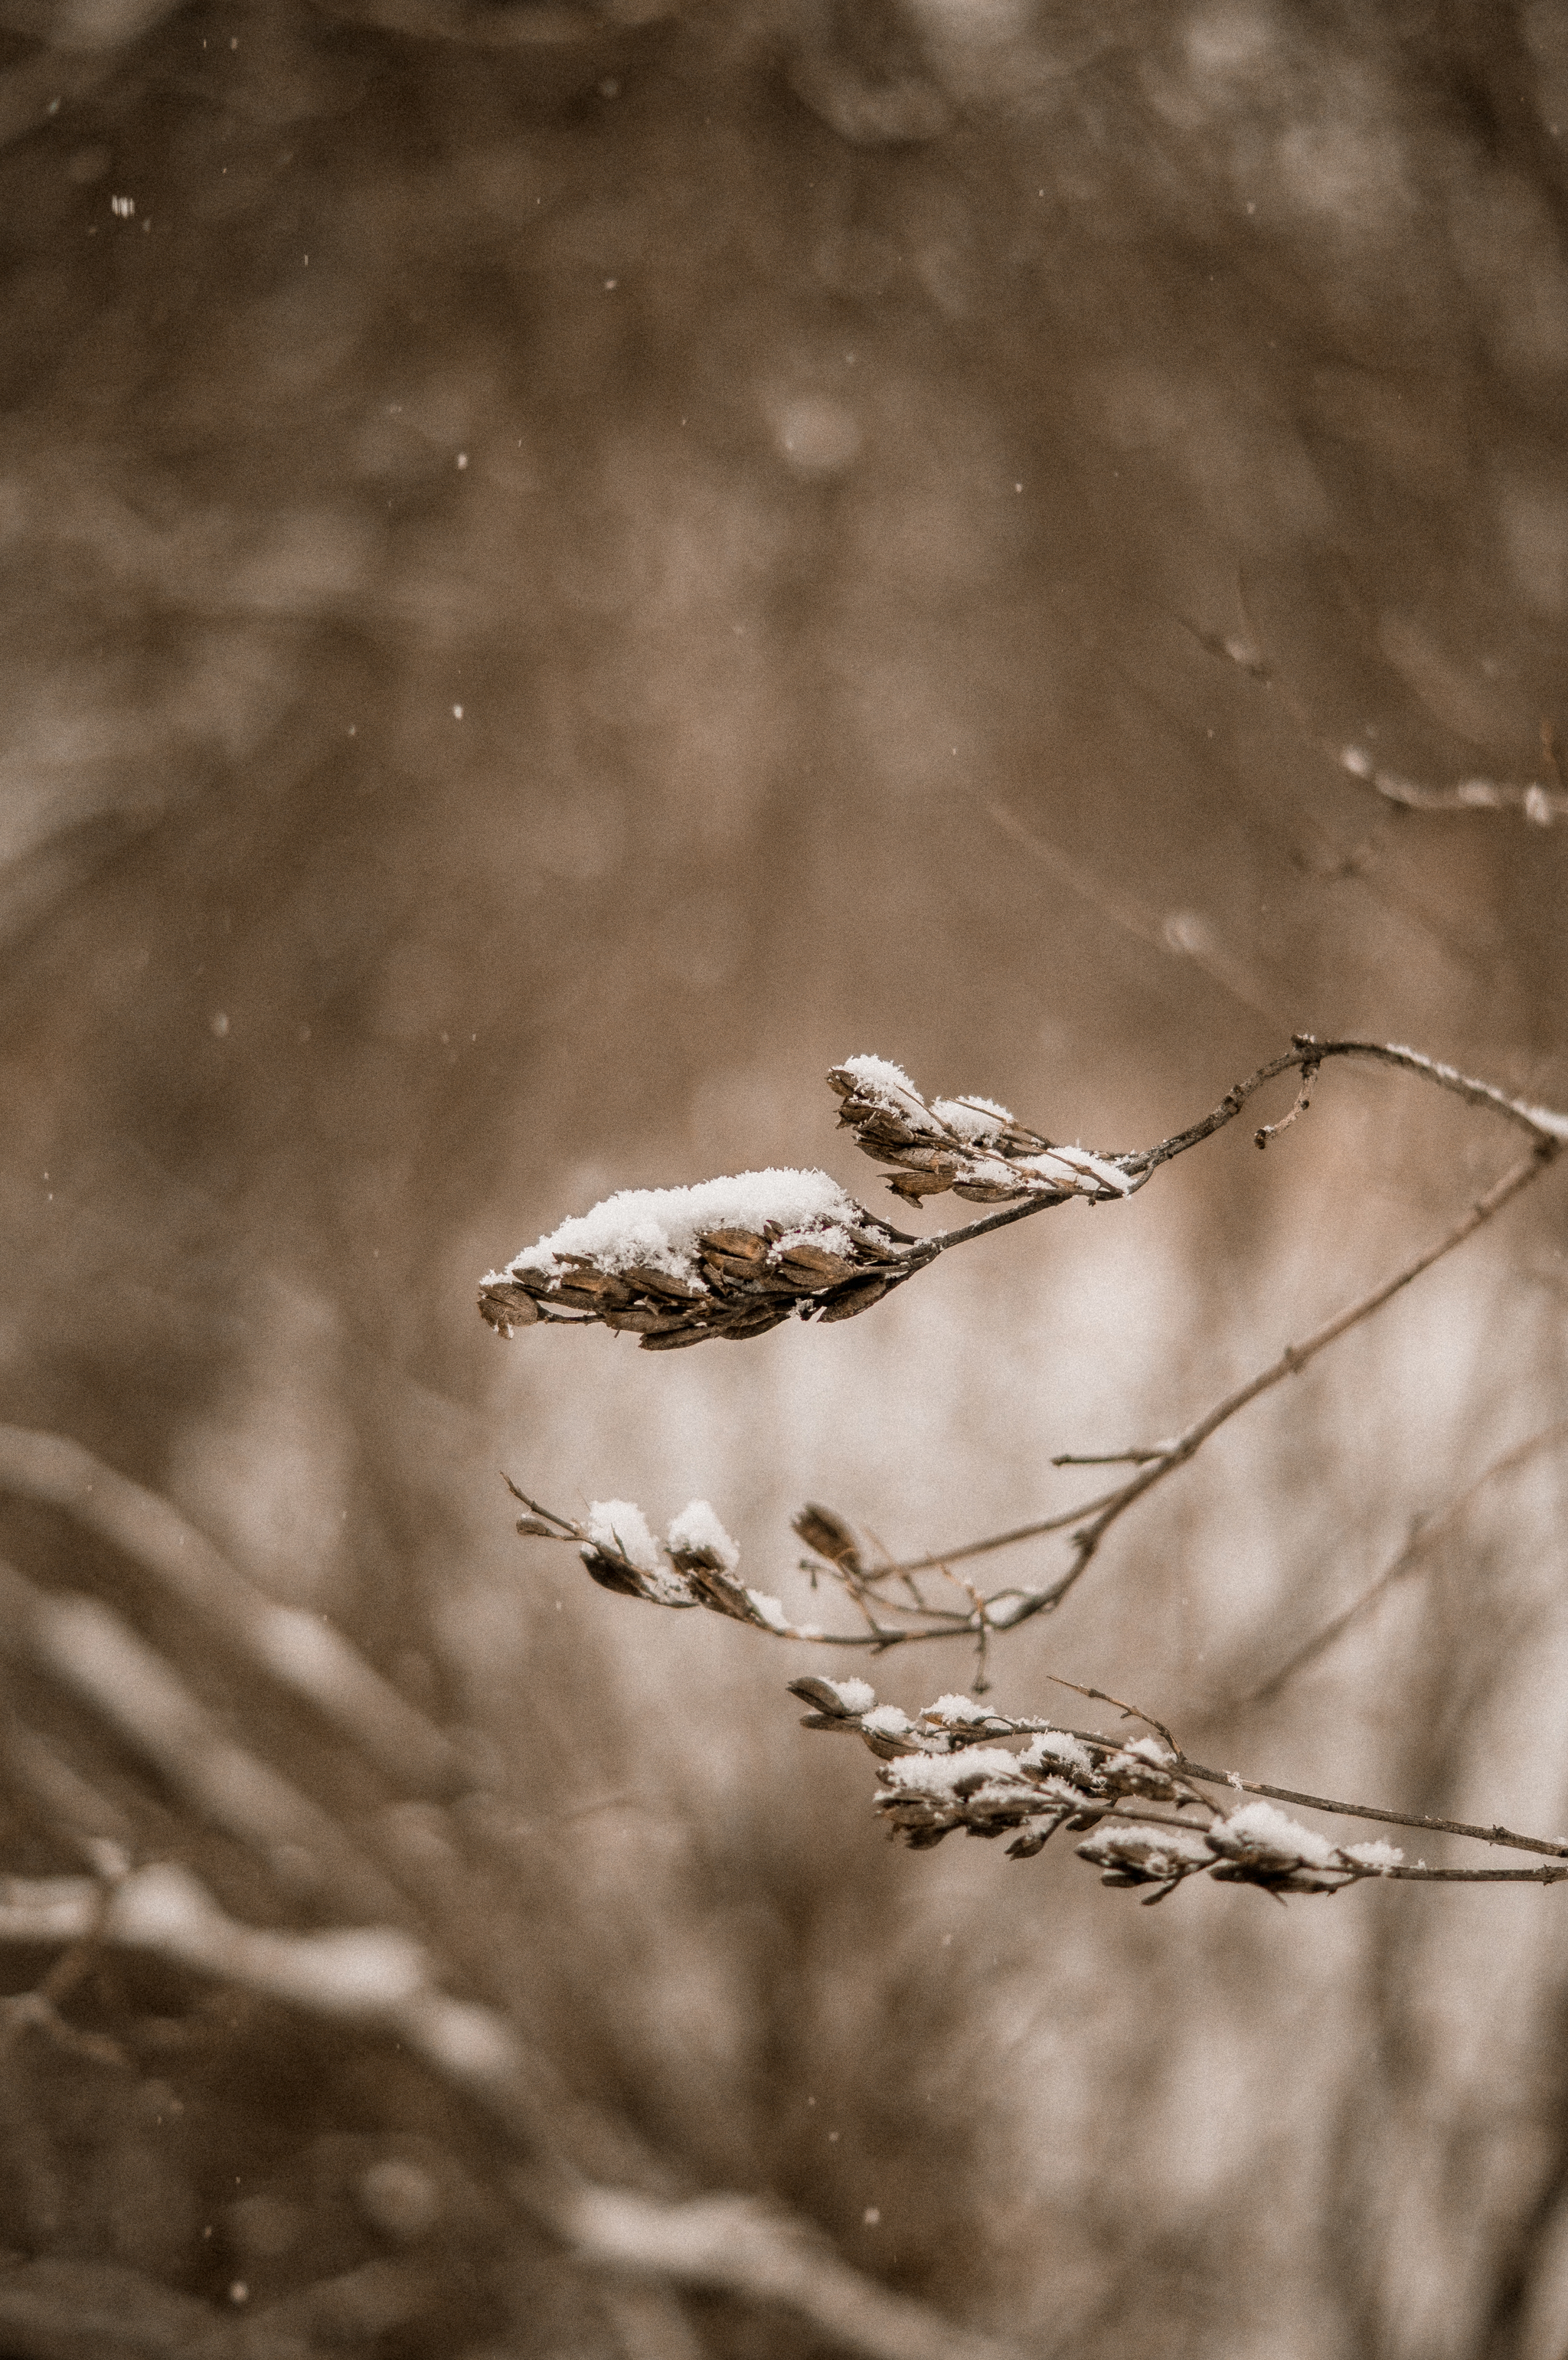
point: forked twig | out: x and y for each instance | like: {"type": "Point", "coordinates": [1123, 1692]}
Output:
{"type": "Point", "coordinates": [996, 1155]}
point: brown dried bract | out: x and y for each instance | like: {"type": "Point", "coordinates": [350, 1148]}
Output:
{"type": "Point", "coordinates": [747, 1281]}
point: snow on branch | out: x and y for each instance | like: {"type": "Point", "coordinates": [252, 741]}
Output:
{"type": "Point", "coordinates": [732, 1257]}
{"type": "Point", "coordinates": [973, 1146]}
{"type": "Point", "coordinates": [735, 1257]}
{"type": "Point", "coordinates": [1138, 1804]}
{"type": "Point", "coordinates": [891, 1596]}
{"type": "Point", "coordinates": [694, 1566]}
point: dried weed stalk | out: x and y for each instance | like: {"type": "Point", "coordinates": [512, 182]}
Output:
{"type": "Point", "coordinates": [967, 1145]}
{"type": "Point", "coordinates": [1140, 1805]}
{"type": "Point", "coordinates": [1139, 1802]}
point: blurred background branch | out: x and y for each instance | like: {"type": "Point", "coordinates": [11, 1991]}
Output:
{"type": "Point", "coordinates": [562, 563]}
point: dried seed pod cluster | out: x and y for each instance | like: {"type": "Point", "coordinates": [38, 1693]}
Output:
{"type": "Point", "coordinates": [947, 1769]}
{"type": "Point", "coordinates": [731, 1257]}
{"type": "Point", "coordinates": [973, 1146]}
{"type": "Point", "coordinates": [694, 1565]}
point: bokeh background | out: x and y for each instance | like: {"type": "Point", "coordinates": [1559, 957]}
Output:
{"type": "Point", "coordinates": [565, 567]}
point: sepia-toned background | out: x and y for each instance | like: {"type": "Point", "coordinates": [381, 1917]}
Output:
{"type": "Point", "coordinates": [565, 568]}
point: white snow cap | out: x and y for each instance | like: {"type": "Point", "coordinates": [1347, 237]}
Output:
{"type": "Point", "coordinates": [697, 1527]}
{"type": "Point", "coordinates": [858, 1695]}
{"type": "Point", "coordinates": [1259, 1827]}
{"type": "Point", "coordinates": [1375, 1855]}
{"type": "Point", "coordinates": [974, 1119]}
{"type": "Point", "coordinates": [885, 1720]}
{"type": "Point", "coordinates": [1140, 1846]}
{"type": "Point", "coordinates": [1061, 1748]}
{"type": "Point", "coordinates": [659, 1227]}
{"type": "Point", "coordinates": [620, 1528]}
{"type": "Point", "coordinates": [769, 1610]}
{"type": "Point", "coordinates": [876, 1079]}
{"type": "Point", "coordinates": [1151, 1749]}
{"type": "Point", "coordinates": [969, 1119]}
{"type": "Point", "coordinates": [956, 1711]}
{"type": "Point", "coordinates": [1076, 1167]}
{"type": "Point", "coordinates": [938, 1774]}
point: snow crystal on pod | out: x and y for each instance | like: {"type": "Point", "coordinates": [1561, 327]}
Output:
{"type": "Point", "coordinates": [697, 1530]}
{"type": "Point", "coordinates": [1060, 1748]}
{"type": "Point", "coordinates": [769, 1610]}
{"type": "Point", "coordinates": [886, 1721]}
{"type": "Point", "coordinates": [658, 1227]}
{"type": "Point", "coordinates": [1156, 1850]}
{"type": "Point", "coordinates": [958, 1711]}
{"type": "Point", "coordinates": [975, 1120]}
{"type": "Point", "coordinates": [876, 1079]}
{"type": "Point", "coordinates": [620, 1529]}
{"type": "Point", "coordinates": [1151, 1749]}
{"type": "Point", "coordinates": [1071, 1167]}
{"type": "Point", "coordinates": [938, 1774]}
{"type": "Point", "coordinates": [858, 1695]}
{"type": "Point", "coordinates": [1258, 1827]}
{"type": "Point", "coordinates": [1375, 1855]}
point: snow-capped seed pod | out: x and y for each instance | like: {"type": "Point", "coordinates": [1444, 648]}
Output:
{"type": "Point", "coordinates": [972, 1144]}
{"type": "Point", "coordinates": [696, 1538]}
{"type": "Point", "coordinates": [727, 1258]}
{"type": "Point", "coordinates": [1140, 1854]}
{"type": "Point", "coordinates": [1258, 1844]}
{"type": "Point", "coordinates": [838, 1704]}
{"type": "Point", "coordinates": [1141, 1769]}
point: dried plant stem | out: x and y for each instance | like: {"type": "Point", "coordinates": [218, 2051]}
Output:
{"type": "Point", "coordinates": [883, 1132]}
{"type": "Point", "coordinates": [1540, 803]}
{"type": "Point", "coordinates": [1477, 1876]}
{"type": "Point", "coordinates": [1105, 1511]}
{"type": "Point", "coordinates": [1551, 1848]}
{"type": "Point", "coordinates": [1409, 1558]}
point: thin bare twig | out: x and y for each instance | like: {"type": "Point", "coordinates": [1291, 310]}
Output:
{"type": "Point", "coordinates": [1103, 1512]}
{"type": "Point", "coordinates": [1551, 1848]}
{"type": "Point", "coordinates": [1409, 1558]}
{"type": "Point", "coordinates": [1540, 803]}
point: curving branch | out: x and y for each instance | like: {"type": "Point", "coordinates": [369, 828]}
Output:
{"type": "Point", "coordinates": [735, 1257]}
{"type": "Point", "coordinates": [972, 1147]}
